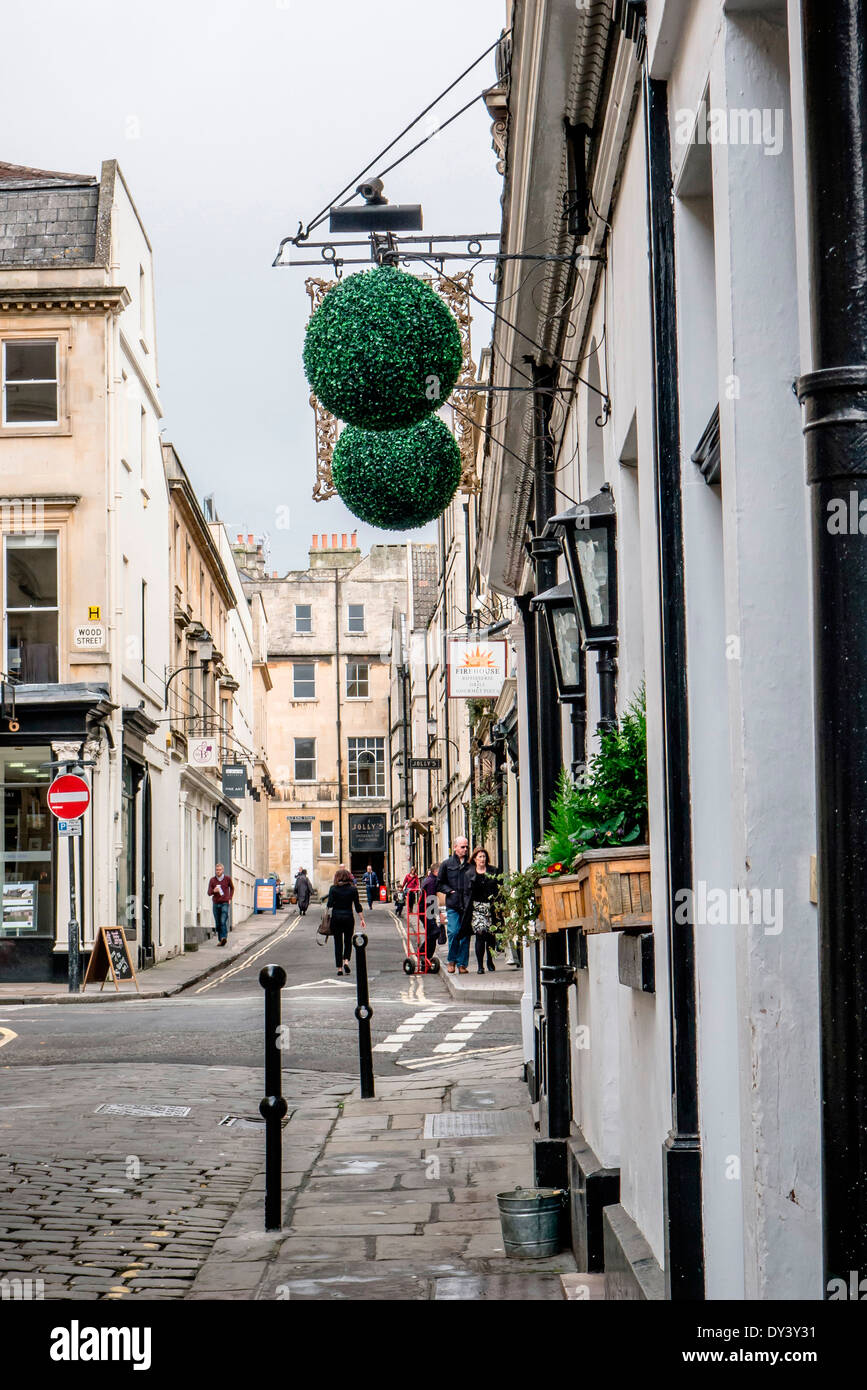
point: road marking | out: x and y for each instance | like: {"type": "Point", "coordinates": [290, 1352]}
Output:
{"type": "Point", "coordinates": [331, 984]}
{"type": "Point", "coordinates": [415, 1063]}
{"type": "Point", "coordinates": [247, 961]}
{"type": "Point", "coordinates": [6, 1036]}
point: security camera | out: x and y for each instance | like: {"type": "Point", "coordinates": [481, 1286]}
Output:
{"type": "Point", "coordinates": [371, 191]}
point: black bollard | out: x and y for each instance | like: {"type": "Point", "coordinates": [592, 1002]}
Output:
{"type": "Point", "coordinates": [556, 980]}
{"type": "Point", "coordinates": [273, 1107]}
{"type": "Point", "coordinates": [364, 1013]}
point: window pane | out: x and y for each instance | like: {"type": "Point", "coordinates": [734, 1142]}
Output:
{"type": "Point", "coordinates": [31, 572]}
{"type": "Point", "coordinates": [357, 680]}
{"type": "Point", "coordinates": [305, 759]}
{"type": "Point", "coordinates": [31, 361]}
{"type": "Point", "coordinates": [366, 767]}
{"type": "Point", "coordinates": [356, 617]}
{"type": "Point", "coordinates": [31, 652]}
{"type": "Point", "coordinates": [304, 681]}
{"type": "Point", "coordinates": [31, 403]}
{"type": "Point", "coordinates": [303, 617]}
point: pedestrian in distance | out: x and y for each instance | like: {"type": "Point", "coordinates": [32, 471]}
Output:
{"type": "Point", "coordinates": [411, 887]}
{"type": "Point", "coordinates": [453, 886]}
{"type": "Point", "coordinates": [221, 891]}
{"type": "Point", "coordinates": [302, 890]}
{"type": "Point", "coordinates": [371, 883]}
{"type": "Point", "coordinates": [343, 900]}
{"type": "Point", "coordinates": [479, 915]}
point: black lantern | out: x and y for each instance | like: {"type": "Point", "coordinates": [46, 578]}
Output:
{"type": "Point", "coordinates": [588, 533]}
{"type": "Point", "coordinates": [564, 634]}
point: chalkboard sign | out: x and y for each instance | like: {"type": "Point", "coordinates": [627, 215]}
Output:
{"type": "Point", "coordinates": [110, 957]}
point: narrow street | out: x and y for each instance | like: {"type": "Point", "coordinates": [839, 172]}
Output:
{"type": "Point", "coordinates": [129, 1141]}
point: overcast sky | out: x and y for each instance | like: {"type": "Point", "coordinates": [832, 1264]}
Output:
{"type": "Point", "coordinates": [233, 121]}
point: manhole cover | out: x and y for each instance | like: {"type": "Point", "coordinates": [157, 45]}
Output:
{"type": "Point", "coordinates": [145, 1112]}
{"type": "Point", "coordinates": [475, 1124]}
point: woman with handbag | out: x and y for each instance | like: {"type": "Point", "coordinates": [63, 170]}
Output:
{"type": "Point", "coordinates": [342, 900]}
{"type": "Point", "coordinates": [479, 913]}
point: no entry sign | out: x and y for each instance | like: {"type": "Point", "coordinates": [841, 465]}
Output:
{"type": "Point", "coordinates": [68, 797]}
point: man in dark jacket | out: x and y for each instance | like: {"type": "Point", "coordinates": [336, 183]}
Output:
{"type": "Point", "coordinates": [302, 891]}
{"type": "Point", "coordinates": [221, 891]}
{"type": "Point", "coordinates": [453, 891]}
{"type": "Point", "coordinates": [371, 883]}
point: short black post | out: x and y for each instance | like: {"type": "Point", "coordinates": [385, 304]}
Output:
{"type": "Point", "coordinates": [74, 958]}
{"type": "Point", "coordinates": [273, 1107]}
{"type": "Point", "coordinates": [556, 980]}
{"type": "Point", "coordinates": [364, 1013]}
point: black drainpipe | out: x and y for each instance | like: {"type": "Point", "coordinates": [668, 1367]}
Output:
{"type": "Point", "coordinates": [682, 1185]}
{"type": "Point", "coordinates": [834, 394]}
{"type": "Point", "coordinates": [339, 718]}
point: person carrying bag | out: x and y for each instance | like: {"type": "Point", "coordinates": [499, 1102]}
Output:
{"type": "Point", "coordinates": [342, 901]}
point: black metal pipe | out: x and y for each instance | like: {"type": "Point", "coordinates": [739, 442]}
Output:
{"type": "Point", "coordinates": [682, 1176]}
{"type": "Point", "coordinates": [273, 1107]}
{"type": "Point", "coordinates": [578, 715]}
{"type": "Point", "coordinates": [556, 980]}
{"type": "Point", "coordinates": [545, 552]}
{"type": "Point", "coordinates": [606, 667]}
{"type": "Point", "coordinates": [339, 714]}
{"type": "Point", "coordinates": [834, 394]}
{"type": "Point", "coordinates": [364, 1013]}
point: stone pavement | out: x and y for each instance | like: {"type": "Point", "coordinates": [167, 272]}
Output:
{"type": "Point", "coordinates": [504, 986]}
{"type": "Point", "coordinates": [393, 1198]}
{"type": "Point", "coordinates": [168, 977]}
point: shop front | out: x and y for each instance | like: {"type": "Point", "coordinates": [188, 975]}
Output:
{"type": "Point", "coordinates": [56, 724]}
{"type": "Point", "coordinates": [367, 842]}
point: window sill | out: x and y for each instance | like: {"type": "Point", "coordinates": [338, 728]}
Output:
{"type": "Point", "coordinates": [359, 699]}
{"type": "Point", "coordinates": [36, 431]}
{"type": "Point", "coordinates": [304, 700]}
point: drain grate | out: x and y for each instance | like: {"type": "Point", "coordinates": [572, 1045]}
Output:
{"type": "Point", "coordinates": [238, 1122]}
{"type": "Point", "coordinates": [475, 1124]}
{"type": "Point", "coordinates": [145, 1112]}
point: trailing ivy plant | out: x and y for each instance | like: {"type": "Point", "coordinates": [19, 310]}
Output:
{"type": "Point", "coordinates": [516, 909]}
{"type": "Point", "coordinates": [484, 810]}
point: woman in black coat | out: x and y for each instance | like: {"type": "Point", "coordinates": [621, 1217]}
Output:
{"type": "Point", "coordinates": [302, 891]}
{"type": "Point", "coordinates": [342, 899]}
{"type": "Point", "coordinates": [478, 919]}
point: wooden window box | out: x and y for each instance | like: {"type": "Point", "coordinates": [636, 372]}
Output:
{"type": "Point", "coordinates": [609, 891]}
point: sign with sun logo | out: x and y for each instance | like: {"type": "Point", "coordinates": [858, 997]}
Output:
{"type": "Point", "coordinates": [476, 668]}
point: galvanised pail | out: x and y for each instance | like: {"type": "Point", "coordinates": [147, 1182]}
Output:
{"type": "Point", "coordinates": [530, 1221]}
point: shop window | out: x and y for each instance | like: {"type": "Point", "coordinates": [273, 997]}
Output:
{"type": "Point", "coordinates": [31, 611]}
{"type": "Point", "coordinates": [27, 888]}
{"type": "Point", "coordinates": [30, 386]}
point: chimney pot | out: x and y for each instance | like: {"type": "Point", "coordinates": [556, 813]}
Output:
{"type": "Point", "coordinates": [324, 542]}
{"type": "Point", "coordinates": [333, 540]}
{"type": "Point", "coordinates": [343, 541]}
{"type": "Point", "coordinates": [249, 540]}
{"type": "Point", "coordinates": [315, 543]}
{"type": "Point", "coordinates": [240, 540]}
{"type": "Point", "coordinates": [273, 574]}
{"type": "Point", "coordinates": [354, 541]}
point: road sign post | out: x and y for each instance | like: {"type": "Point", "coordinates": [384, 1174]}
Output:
{"type": "Point", "coordinates": [68, 799]}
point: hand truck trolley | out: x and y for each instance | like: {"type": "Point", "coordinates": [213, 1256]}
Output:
{"type": "Point", "coordinates": [422, 931]}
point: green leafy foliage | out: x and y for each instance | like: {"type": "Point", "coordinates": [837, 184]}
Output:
{"type": "Point", "coordinates": [609, 805]}
{"type": "Point", "coordinates": [397, 479]}
{"type": "Point", "coordinates": [516, 907]}
{"type": "Point", "coordinates": [382, 351]}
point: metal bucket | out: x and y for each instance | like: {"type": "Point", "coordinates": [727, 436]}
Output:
{"type": "Point", "coordinates": [530, 1221]}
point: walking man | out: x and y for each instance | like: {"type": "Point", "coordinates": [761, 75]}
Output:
{"type": "Point", "coordinates": [453, 894]}
{"type": "Point", "coordinates": [221, 891]}
{"type": "Point", "coordinates": [371, 883]}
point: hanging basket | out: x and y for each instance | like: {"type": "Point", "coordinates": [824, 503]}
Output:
{"type": "Point", "coordinates": [397, 479]}
{"type": "Point", "coordinates": [382, 351]}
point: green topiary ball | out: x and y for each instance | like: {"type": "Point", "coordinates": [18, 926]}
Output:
{"type": "Point", "coordinates": [382, 351]}
{"type": "Point", "coordinates": [397, 479]}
